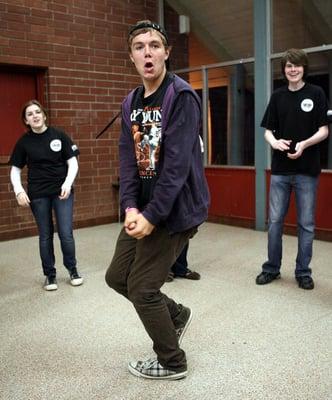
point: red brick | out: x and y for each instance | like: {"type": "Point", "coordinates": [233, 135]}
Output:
{"type": "Point", "coordinates": [33, 20]}
{"type": "Point", "coordinates": [58, 8]}
{"type": "Point", "coordinates": [82, 44]}
{"type": "Point", "coordinates": [16, 26]}
{"type": "Point", "coordinates": [41, 29]}
{"type": "Point", "coordinates": [16, 51]}
{"type": "Point", "coordinates": [78, 11]}
{"type": "Point", "coordinates": [46, 14]}
{"type": "Point", "coordinates": [15, 17]}
{"type": "Point", "coordinates": [17, 9]}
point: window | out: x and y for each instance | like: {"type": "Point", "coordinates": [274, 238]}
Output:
{"type": "Point", "coordinates": [230, 113]}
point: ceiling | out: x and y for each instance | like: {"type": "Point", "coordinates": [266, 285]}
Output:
{"type": "Point", "coordinates": [226, 27]}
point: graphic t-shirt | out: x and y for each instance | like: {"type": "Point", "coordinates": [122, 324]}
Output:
{"type": "Point", "coordinates": [45, 155]}
{"type": "Point", "coordinates": [146, 119]}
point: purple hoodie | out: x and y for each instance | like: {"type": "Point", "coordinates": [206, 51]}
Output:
{"type": "Point", "coordinates": [180, 197]}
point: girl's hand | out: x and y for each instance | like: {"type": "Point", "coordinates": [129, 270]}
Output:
{"type": "Point", "coordinates": [22, 199]}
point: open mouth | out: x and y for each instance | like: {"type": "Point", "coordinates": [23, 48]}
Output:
{"type": "Point", "coordinates": [148, 65]}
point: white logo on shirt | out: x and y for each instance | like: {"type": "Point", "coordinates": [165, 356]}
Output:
{"type": "Point", "coordinates": [307, 105]}
{"type": "Point", "coordinates": [55, 145]}
{"type": "Point", "coordinates": [74, 147]}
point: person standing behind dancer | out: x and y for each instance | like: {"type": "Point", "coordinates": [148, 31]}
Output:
{"type": "Point", "coordinates": [180, 268]}
{"type": "Point", "coordinates": [164, 202]}
{"type": "Point", "coordinates": [295, 122]}
{"type": "Point", "coordinates": [50, 156]}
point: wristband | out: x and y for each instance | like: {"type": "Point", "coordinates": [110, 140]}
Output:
{"type": "Point", "coordinates": [130, 209]}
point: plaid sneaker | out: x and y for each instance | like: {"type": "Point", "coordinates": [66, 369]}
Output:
{"type": "Point", "coordinates": [152, 369]}
{"type": "Point", "coordinates": [50, 283]}
{"type": "Point", "coordinates": [180, 331]}
{"type": "Point", "coordinates": [75, 278]}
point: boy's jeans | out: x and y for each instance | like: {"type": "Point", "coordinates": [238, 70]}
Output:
{"type": "Point", "coordinates": [305, 189]}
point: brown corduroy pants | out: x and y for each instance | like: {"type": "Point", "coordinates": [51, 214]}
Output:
{"type": "Point", "coordinates": [138, 270]}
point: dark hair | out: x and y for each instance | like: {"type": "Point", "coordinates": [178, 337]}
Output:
{"type": "Point", "coordinates": [28, 104]}
{"type": "Point", "coordinates": [296, 57]}
{"type": "Point", "coordinates": [144, 27]}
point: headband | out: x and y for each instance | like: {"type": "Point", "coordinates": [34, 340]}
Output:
{"type": "Point", "coordinates": [152, 25]}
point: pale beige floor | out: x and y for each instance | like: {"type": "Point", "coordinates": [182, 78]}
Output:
{"type": "Point", "coordinates": [246, 342]}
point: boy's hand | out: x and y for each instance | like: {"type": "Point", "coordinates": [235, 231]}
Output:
{"type": "Point", "coordinates": [139, 227]}
{"type": "Point", "coordinates": [298, 151]}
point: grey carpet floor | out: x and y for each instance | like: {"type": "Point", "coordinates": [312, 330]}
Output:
{"type": "Point", "coordinates": [246, 342]}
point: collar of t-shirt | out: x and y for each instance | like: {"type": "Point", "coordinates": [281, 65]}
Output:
{"type": "Point", "coordinates": [152, 98]}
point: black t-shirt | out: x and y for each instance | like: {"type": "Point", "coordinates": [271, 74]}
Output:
{"type": "Point", "coordinates": [296, 115]}
{"type": "Point", "coordinates": [45, 155]}
{"type": "Point", "coordinates": [146, 121]}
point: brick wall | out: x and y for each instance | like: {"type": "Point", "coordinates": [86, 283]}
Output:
{"type": "Point", "coordinates": [82, 46]}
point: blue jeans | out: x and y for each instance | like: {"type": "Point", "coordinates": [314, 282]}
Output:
{"type": "Point", "coordinates": [305, 189]}
{"type": "Point", "coordinates": [63, 210]}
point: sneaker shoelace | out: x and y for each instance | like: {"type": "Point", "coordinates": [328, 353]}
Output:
{"type": "Point", "coordinates": [150, 363]}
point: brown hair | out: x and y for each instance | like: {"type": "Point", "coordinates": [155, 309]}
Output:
{"type": "Point", "coordinates": [296, 57]}
{"type": "Point", "coordinates": [28, 104]}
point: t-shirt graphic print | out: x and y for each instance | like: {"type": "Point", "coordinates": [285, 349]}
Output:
{"type": "Point", "coordinates": [146, 129]}
{"type": "Point", "coordinates": [147, 139]}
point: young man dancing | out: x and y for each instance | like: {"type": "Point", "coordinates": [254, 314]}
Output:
{"type": "Point", "coordinates": [164, 202]}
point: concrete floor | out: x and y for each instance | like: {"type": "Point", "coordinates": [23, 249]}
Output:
{"type": "Point", "coordinates": [246, 342]}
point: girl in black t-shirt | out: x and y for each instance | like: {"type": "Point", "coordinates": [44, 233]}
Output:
{"type": "Point", "coordinates": [50, 157]}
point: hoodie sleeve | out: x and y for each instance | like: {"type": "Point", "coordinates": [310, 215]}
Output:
{"type": "Point", "coordinates": [179, 140]}
{"type": "Point", "coordinates": [129, 178]}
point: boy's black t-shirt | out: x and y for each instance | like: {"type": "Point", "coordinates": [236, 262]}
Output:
{"type": "Point", "coordinates": [45, 155]}
{"type": "Point", "coordinates": [146, 121]}
{"type": "Point", "coordinates": [296, 115]}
